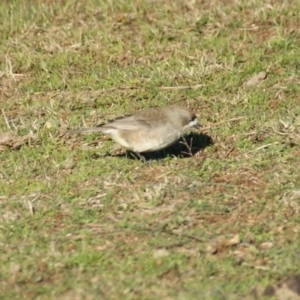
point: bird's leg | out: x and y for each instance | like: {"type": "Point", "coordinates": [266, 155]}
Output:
{"type": "Point", "coordinates": [140, 156]}
{"type": "Point", "coordinates": [188, 146]}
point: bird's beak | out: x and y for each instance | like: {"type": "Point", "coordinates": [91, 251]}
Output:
{"type": "Point", "coordinates": [197, 125]}
{"type": "Point", "coordinates": [194, 124]}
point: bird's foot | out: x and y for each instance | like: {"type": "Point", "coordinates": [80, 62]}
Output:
{"type": "Point", "coordinates": [139, 156]}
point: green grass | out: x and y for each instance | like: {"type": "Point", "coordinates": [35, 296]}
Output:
{"type": "Point", "coordinates": [81, 220]}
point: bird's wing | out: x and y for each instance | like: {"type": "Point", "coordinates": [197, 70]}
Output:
{"type": "Point", "coordinates": [131, 123]}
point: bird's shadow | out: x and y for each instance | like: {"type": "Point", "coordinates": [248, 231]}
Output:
{"type": "Point", "coordinates": [187, 146]}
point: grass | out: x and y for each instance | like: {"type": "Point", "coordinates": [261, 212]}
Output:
{"type": "Point", "coordinates": [80, 219]}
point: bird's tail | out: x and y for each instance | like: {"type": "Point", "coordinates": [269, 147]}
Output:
{"type": "Point", "coordinates": [87, 130]}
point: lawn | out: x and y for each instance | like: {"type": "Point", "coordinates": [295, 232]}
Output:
{"type": "Point", "coordinates": [216, 216]}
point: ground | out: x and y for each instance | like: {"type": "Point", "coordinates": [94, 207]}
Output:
{"type": "Point", "coordinates": [216, 216]}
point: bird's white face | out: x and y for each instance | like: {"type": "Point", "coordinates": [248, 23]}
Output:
{"type": "Point", "coordinates": [193, 123]}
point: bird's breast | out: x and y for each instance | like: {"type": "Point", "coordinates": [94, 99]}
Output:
{"type": "Point", "coordinates": [146, 141]}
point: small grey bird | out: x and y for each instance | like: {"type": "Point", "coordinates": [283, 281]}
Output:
{"type": "Point", "coordinates": [149, 130]}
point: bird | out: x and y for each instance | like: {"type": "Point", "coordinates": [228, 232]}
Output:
{"type": "Point", "coordinates": [148, 130]}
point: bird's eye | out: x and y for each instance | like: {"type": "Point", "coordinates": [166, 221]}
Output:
{"type": "Point", "coordinates": [193, 118]}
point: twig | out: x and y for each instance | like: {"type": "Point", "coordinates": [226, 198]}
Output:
{"type": "Point", "coordinates": [181, 87]}
{"type": "Point", "coordinates": [178, 87]}
{"type": "Point", "coordinates": [225, 121]}
{"type": "Point", "coordinates": [230, 151]}
{"type": "Point", "coordinates": [5, 118]}
{"type": "Point", "coordinates": [30, 206]}
{"type": "Point", "coordinates": [266, 146]}
{"type": "Point", "coordinates": [164, 174]}
{"type": "Point", "coordinates": [181, 235]}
